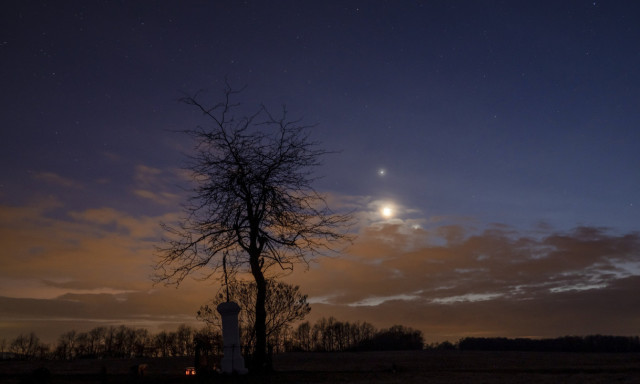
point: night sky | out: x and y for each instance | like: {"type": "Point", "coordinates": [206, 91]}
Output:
{"type": "Point", "coordinates": [502, 137]}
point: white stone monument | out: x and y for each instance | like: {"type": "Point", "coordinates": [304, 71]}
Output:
{"type": "Point", "coordinates": [232, 360]}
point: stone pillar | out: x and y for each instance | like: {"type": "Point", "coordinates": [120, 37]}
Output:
{"type": "Point", "coordinates": [232, 360]}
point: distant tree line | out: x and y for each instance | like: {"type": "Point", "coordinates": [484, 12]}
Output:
{"type": "Point", "coordinates": [114, 342]}
{"type": "Point", "coordinates": [326, 335]}
{"type": "Point", "coordinates": [588, 344]}
{"type": "Point", "coordinates": [331, 335]}
{"type": "Point", "coordinates": [591, 343]}
{"type": "Point", "coordinates": [25, 346]}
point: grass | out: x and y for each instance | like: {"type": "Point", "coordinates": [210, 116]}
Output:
{"type": "Point", "coordinates": [404, 367]}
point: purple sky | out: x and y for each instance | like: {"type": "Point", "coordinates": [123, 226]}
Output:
{"type": "Point", "coordinates": [508, 132]}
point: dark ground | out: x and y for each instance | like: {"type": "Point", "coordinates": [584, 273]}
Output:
{"type": "Point", "coordinates": [363, 367]}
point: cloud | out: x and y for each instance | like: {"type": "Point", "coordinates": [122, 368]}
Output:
{"type": "Point", "coordinates": [612, 310]}
{"type": "Point", "coordinates": [48, 289]}
{"type": "Point", "coordinates": [157, 309]}
{"type": "Point", "coordinates": [55, 179]}
{"type": "Point", "coordinates": [103, 247]}
{"type": "Point", "coordinates": [157, 185]}
{"type": "Point", "coordinates": [495, 273]}
{"type": "Point", "coordinates": [62, 271]}
{"type": "Point", "coordinates": [80, 268]}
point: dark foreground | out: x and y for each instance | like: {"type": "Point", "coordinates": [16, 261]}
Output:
{"type": "Point", "coordinates": [363, 367]}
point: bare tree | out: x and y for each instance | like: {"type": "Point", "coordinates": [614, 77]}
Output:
{"type": "Point", "coordinates": [284, 305]}
{"type": "Point", "coordinates": [253, 206]}
{"type": "Point", "coordinates": [67, 345]}
{"type": "Point", "coordinates": [184, 340]}
{"type": "Point", "coordinates": [302, 337]}
{"type": "Point", "coordinates": [26, 346]}
{"type": "Point", "coordinates": [142, 342]}
{"type": "Point", "coordinates": [164, 343]}
{"type": "Point", "coordinates": [96, 340]}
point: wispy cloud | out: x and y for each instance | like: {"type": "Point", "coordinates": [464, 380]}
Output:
{"type": "Point", "coordinates": [55, 179]}
{"type": "Point", "coordinates": [454, 269]}
{"type": "Point", "coordinates": [444, 278]}
{"type": "Point", "coordinates": [493, 261]}
{"type": "Point", "coordinates": [157, 185]}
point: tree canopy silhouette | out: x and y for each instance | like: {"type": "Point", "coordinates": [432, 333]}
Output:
{"type": "Point", "coordinates": [284, 304]}
{"type": "Point", "coordinates": [252, 206]}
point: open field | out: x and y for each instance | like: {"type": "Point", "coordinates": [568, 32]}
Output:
{"type": "Point", "coordinates": [362, 367]}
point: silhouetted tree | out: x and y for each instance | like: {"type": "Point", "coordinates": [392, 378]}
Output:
{"type": "Point", "coordinates": [26, 346]}
{"type": "Point", "coordinates": [398, 337]}
{"type": "Point", "coordinates": [142, 342]}
{"type": "Point", "coordinates": [208, 340]}
{"type": "Point", "coordinates": [442, 346]}
{"type": "Point", "coordinates": [253, 206]}
{"type": "Point", "coordinates": [207, 345]}
{"type": "Point", "coordinates": [302, 338]}
{"type": "Point", "coordinates": [331, 335]}
{"type": "Point", "coordinates": [184, 340]}
{"type": "Point", "coordinates": [66, 346]}
{"type": "Point", "coordinates": [96, 341]}
{"type": "Point", "coordinates": [81, 347]}
{"type": "Point", "coordinates": [163, 343]}
{"type": "Point", "coordinates": [124, 340]}
{"type": "Point", "coordinates": [591, 343]}
{"type": "Point", "coordinates": [284, 304]}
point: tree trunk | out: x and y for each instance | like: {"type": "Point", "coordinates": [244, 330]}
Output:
{"type": "Point", "coordinates": [260, 357]}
